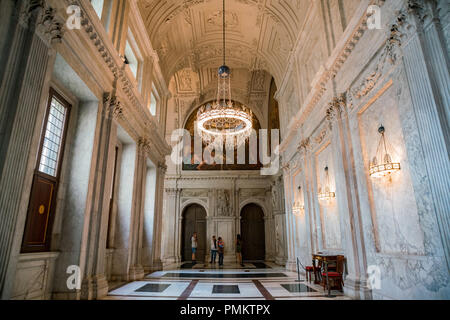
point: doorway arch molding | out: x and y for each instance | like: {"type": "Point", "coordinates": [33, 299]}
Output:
{"type": "Point", "coordinates": [184, 230]}
{"type": "Point", "coordinates": [191, 201]}
{"type": "Point", "coordinates": [258, 202]}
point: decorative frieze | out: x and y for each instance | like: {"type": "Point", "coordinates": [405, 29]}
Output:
{"type": "Point", "coordinates": [319, 89]}
{"type": "Point", "coordinates": [136, 120]}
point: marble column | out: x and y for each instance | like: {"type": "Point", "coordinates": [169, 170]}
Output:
{"type": "Point", "coordinates": [280, 223]}
{"type": "Point", "coordinates": [269, 231]}
{"type": "Point", "coordinates": [352, 238]}
{"type": "Point", "coordinates": [157, 224]}
{"type": "Point", "coordinates": [23, 84]}
{"type": "Point", "coordinates": [289, 221]}
{"type": "Point", "coordinates": [427, 70]}
{"type": "Point", "coordinates": [171, 227]}
{"type": "Point", "coordinates": [95, 284]}
{"type": "Point", "coordinates": [136, 270]}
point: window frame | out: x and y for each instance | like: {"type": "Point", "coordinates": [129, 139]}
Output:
{"type": "Point", "coordinates": [154, 94]}
{"type": "Point", "coordinates": [137, 52]}
{"type": "Point", "coordinates": [53, 94]}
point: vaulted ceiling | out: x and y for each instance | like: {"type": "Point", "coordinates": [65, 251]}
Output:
{"type": "Point", "coordinates": [188, 33]}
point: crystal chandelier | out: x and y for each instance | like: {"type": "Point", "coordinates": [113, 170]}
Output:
{"type": "Point", "coordinates": [223, 121]}
{"type": "Point", "coordinates": [382, 164]}
{"type": "Point", "coordinates": [325, 194]}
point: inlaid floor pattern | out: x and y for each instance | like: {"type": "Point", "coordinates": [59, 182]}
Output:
{"type": "Point", "coordinates": [229, 283]}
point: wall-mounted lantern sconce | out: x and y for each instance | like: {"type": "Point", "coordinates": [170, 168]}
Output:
{"type": "Point", "coordinates": [325, 194]}
{"type": "Point", "coordinates": [382, 164]}
{"type": "Point", "coordinates": [298, 207]}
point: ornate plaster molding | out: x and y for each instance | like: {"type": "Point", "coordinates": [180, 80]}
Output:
{"type": "Point", "coordinates": [332, 68]}
{"type": "Point", "coordinates": [130, 112]}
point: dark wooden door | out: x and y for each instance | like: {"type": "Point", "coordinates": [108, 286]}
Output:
{"type": "Point", "coordinates": [42, 203]}
{"type": "Point", "coordinates": [252, 233]}
{"type": "Point", "coordinates": [39, 212]}
{"type": "Point", "coordinates": [194, 220]}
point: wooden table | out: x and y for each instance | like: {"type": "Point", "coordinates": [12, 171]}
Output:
{"type": "Point", "coordinates": [326, 259]}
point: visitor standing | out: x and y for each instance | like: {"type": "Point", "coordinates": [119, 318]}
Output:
{"type": "Point", "coordinates": [239, 250]}
{"type": "Point", "coordinates": [194, 243]}
{"type": "Point", "coordinates": [214, 249]}
{"type": "Point", "coordinates": [221, 246]}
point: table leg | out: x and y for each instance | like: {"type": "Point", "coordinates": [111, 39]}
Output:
{"type": "Point", "coordinates": [315, 271]}
{"type": "Point", "coordinates": [328, 281]}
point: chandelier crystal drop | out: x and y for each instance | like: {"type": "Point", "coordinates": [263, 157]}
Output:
{"type": "Point", "coordinates": [382, 164]}
{"type": "Point", "coordinates": [325, 193]}
{"type": "Point", "coordinates": [224, 121]}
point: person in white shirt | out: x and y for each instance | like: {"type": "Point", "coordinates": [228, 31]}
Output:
{"type": "Point", "coordinates": [194, 246]}
{"type": "Point", "coordinates": [214, 249]}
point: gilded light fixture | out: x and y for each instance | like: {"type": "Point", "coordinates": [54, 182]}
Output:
{"type": "Point", "coordinates": [298, 208]}
{"type": "Point", "coordinates": [324, 193]}
{"type": "Point", "coordinates": [382, 164]}
{"type": "Point", "coordinates": [223, 120]}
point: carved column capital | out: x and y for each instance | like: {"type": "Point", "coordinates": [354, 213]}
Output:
{"type": "Point", "coordinates": [142, 144]}
{"type": "Point", "coordinates": [304, 146]}
{"type": "Point", "coordinates": [29, 7]}
{"type": "Point", "coordinates": [335, 108]}
{"type": "Point", "coordinates": [50, 27]}
{"type": "Point", "coordinates": [162, 167]}
{"type": "Point", "coordinates": [414, 15]}
{"type": "Point", "coordinates": [116, 108]}
{"type": "Point", "coordinates": [112, 106]}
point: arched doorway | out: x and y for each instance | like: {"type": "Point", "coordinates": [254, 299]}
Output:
{"type": "Point", "coordinates": [194, 220]}
{"type": "Point", "coordinates": [252, 232]}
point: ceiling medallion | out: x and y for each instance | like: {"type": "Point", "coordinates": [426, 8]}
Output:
{"type": "Point", "coordinates": [382, 164]}
{"type": "Point", "coordinates": [223, 121]}
{"type": "Point", "coordinates": [325, 194]}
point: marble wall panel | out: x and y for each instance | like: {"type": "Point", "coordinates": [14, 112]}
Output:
{"type": "Point", "coordinates": [396, 220]}
{"type": "Point", "coordinates": [329, 214]}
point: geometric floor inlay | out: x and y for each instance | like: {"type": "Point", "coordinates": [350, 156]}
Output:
{"type": "Point", "coordinates": [260, 265]}
{"type": "Point", "coordinates": [224, 275]}
{"type": "Point", "coordinates": [153, 287]}
{"type": "Point", "coordinates": [297, 288]}
{"type": "Point", "coordinates": [224, 289]}
{"type": "Point", "coordinates": [230, 283]}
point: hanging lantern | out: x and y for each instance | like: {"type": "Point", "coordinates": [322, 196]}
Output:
{"type": "Point", "coordinates": [382, 164]}
{"type": "Point", "coordinates": [298, 208]}
{"type": "Point", "coordinates": [325, 194]}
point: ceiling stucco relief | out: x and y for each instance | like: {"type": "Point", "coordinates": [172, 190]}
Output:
{"type": "Point", "coordinates": [260, 33]}
{"type": "Point", "coordinates": [215, 19]}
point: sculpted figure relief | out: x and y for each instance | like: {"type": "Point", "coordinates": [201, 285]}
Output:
{"type": "Point", "coordinates": [223, 203]}
{"type": "Point", "coordinates": [274, 197]}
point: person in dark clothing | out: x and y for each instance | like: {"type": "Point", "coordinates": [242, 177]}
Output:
{"type": "Point", "coordinates": [221, 250]}
{"type": "Point", "coordinates": [239, 250]}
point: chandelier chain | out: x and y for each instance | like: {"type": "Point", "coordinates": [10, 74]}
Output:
{"type": "Point", "coordinates": [225, 119]}
{"type": "Point", "coordinates": [224, 35]}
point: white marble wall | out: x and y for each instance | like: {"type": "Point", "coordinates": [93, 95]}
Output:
{"type": "Point", "coordinates": [87, 70]}
{"type": "Point", "coordinates": [396, 225]}
{"type": "Point", "coordinates": [203, 188]}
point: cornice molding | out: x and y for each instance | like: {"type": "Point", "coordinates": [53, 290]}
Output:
{"type": "Point", "coordinates": [130, 112]}
{"type": "Point", "coordinates": [332, 67]}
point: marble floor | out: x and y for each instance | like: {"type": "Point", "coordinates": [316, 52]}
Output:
{"type": "Point", "coordinates": [205, 282]}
